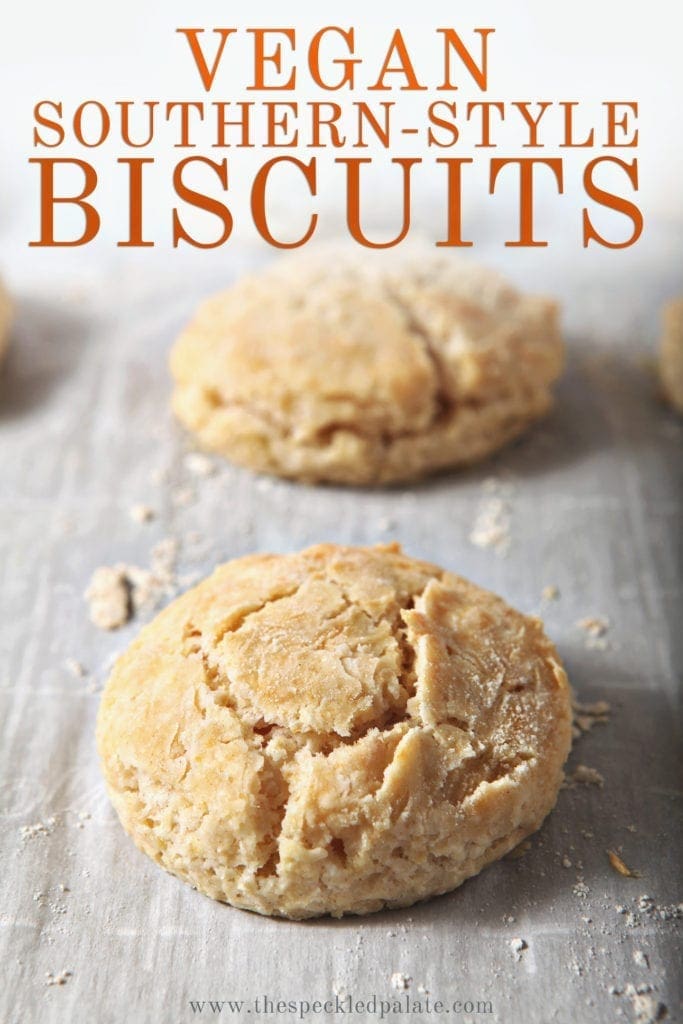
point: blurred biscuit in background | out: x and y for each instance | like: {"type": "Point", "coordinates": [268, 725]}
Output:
{"type": "Point", "coordinates": [364, 369]}
{"type": "Point", "coordinates": [5, 319]}
{"type": "Point", "coordinates": [671, 354]}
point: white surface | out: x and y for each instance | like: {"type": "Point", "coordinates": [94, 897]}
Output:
{"type": "Point", "coordinates": [595, 508]}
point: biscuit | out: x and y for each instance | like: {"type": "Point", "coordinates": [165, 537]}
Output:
{"type": "Point", "coordinates": [373, 371]}
{"type": "Point", "coordinates": [334, 731]}
{"type": "Point", "coordinates": [5, 320]}
{"type": "Point", "coordinates": [671, 354]}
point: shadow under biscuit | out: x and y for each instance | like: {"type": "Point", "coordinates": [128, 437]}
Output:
{"type": "Point", "coordinates": [44, 347]}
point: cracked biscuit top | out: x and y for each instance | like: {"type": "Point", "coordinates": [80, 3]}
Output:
{"type": "Point", "coordinates": [334, 731]}
{"type": "Point", "coordinates": [366, 369]}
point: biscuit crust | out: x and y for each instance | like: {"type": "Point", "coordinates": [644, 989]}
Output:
{"type": "Point", "coordinates": [671, 354]}
{"type": "Point", "coordinates": [365, 371]}
{"type": "Point", "coordinates": [334, 731]}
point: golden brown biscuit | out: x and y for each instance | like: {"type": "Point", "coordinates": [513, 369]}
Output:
{"type": "Point", "coordinates": [365, 371]}
{"type": "Point", "coordinates": [671, 354]}
{"type": "Point", "coordinates": [334, 731]}
{"type": "Point", "coordinates": [5, 320]}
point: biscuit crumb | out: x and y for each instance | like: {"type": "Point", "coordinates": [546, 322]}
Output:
{"type": "Point", "coordinates": [550, 593]}
{"type": "Point", "coordinates": [108, 596]}
{"type": "Point", "coordinates": [647, 1009]}
{"type": "Point", "coordinates": [118, 592]}
{"type": "Point", "coordinates": [518, 946]}
{"type": "Point", "coordinates": [57, 979]}
{"type": "Point", "coordinates": [492, 526]}
{"type": "Point", "coordinates": [142, 513]}
{"type": "Point", "coordinates": [619, 866]}
{"type": "Point", "coordinates": [400, 981]}
{"type": "Point", "coordinates": [39, 828]}
{"type": "Point", "coordinates": [77, 670]}
{"type": "Point", "coordinates": [595, 627]}
{"type": "Point", "coordinates": [580, 889]}
{"type": "Point", "coordinates": [585, 776]}
{"type": "Point", "coordinates": [199, 464]}
{"type": "Point", "coordinates": [585, 716]}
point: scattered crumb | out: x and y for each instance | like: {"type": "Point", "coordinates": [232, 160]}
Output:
{"type": "Point", "coordinates": [108, 596]}
{"type": "Point", "coordinates": [518, 946]}
{"type": "Point", "coordinates": [385, 524]}
{"type": "Point", "coordinates": [492, 526]}
{"type": "Point", "coordinates": [580, 889]}
{"type": "Point", "coordinates": [77, 670]}
{"type": "Point", "coordinates": [182, 497]}
{"type": "Point", "coordinates": [117, 592]}
{"type": "Point", "coordinates": [640, 958]}
{"type": "Point", "coordinates": [566, 863]}
{"type": "Point", "coordinates": [199, 464]}
{"type": "Point", "coordinates": [619, 866]}
{"type": "Point", "coordinates": [585, 716]}
{"type": "Point", "coordinates": [550, 593]}
{"type": "Point", "coordinates": [142, 513]}
{"type": "Point", "coordinates": [585, 776]}
{"type": "Point", "coordinates": [57, 979]}
{"type": "Point", "coordinates": [400, 981]}
{"type": "Point", "coordinates": [595, 627]}
{"type": "Point", "coordinates": [647, 1008]}
{"type": "Point", "coordinates": [39, 828]}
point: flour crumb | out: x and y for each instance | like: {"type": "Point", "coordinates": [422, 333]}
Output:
{"type": "Point", "coordinates": [199, 464]}
{"type": "Point", "coordinates": [518, 946]}
{"type": "Point", "coordinates": [117, 592]}
{"type": "Point", "coordinates": [646, 1007]}
{"type": "Point", "coordinates": [142, 513]}
{"type": "Point", "coordinates": [550, 593]}
{"type": "Point", "coordinates": [580, 889]}
{"type": "Point", "coordinates": [585, 716]}
{"type": "Point", "coordinates": [585, 776]}
{"type": "Point", "coordinates": [595, 627]}
{"type": "Point", "coordinates": [491, 527]}
{"type": "Point", "coordinates": [108, 597]}
{"type": "Point", "coordinates": [400, 981]}
{"type": "Point", "coordinates": [39, 828]}
{"type": "Point", "coordinates": [57, 979]}
{"type": "Point", "coordinates": [75, 668]}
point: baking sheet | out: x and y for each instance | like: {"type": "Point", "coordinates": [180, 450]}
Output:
{"type": "Point", "coordinates": [591, 502]}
